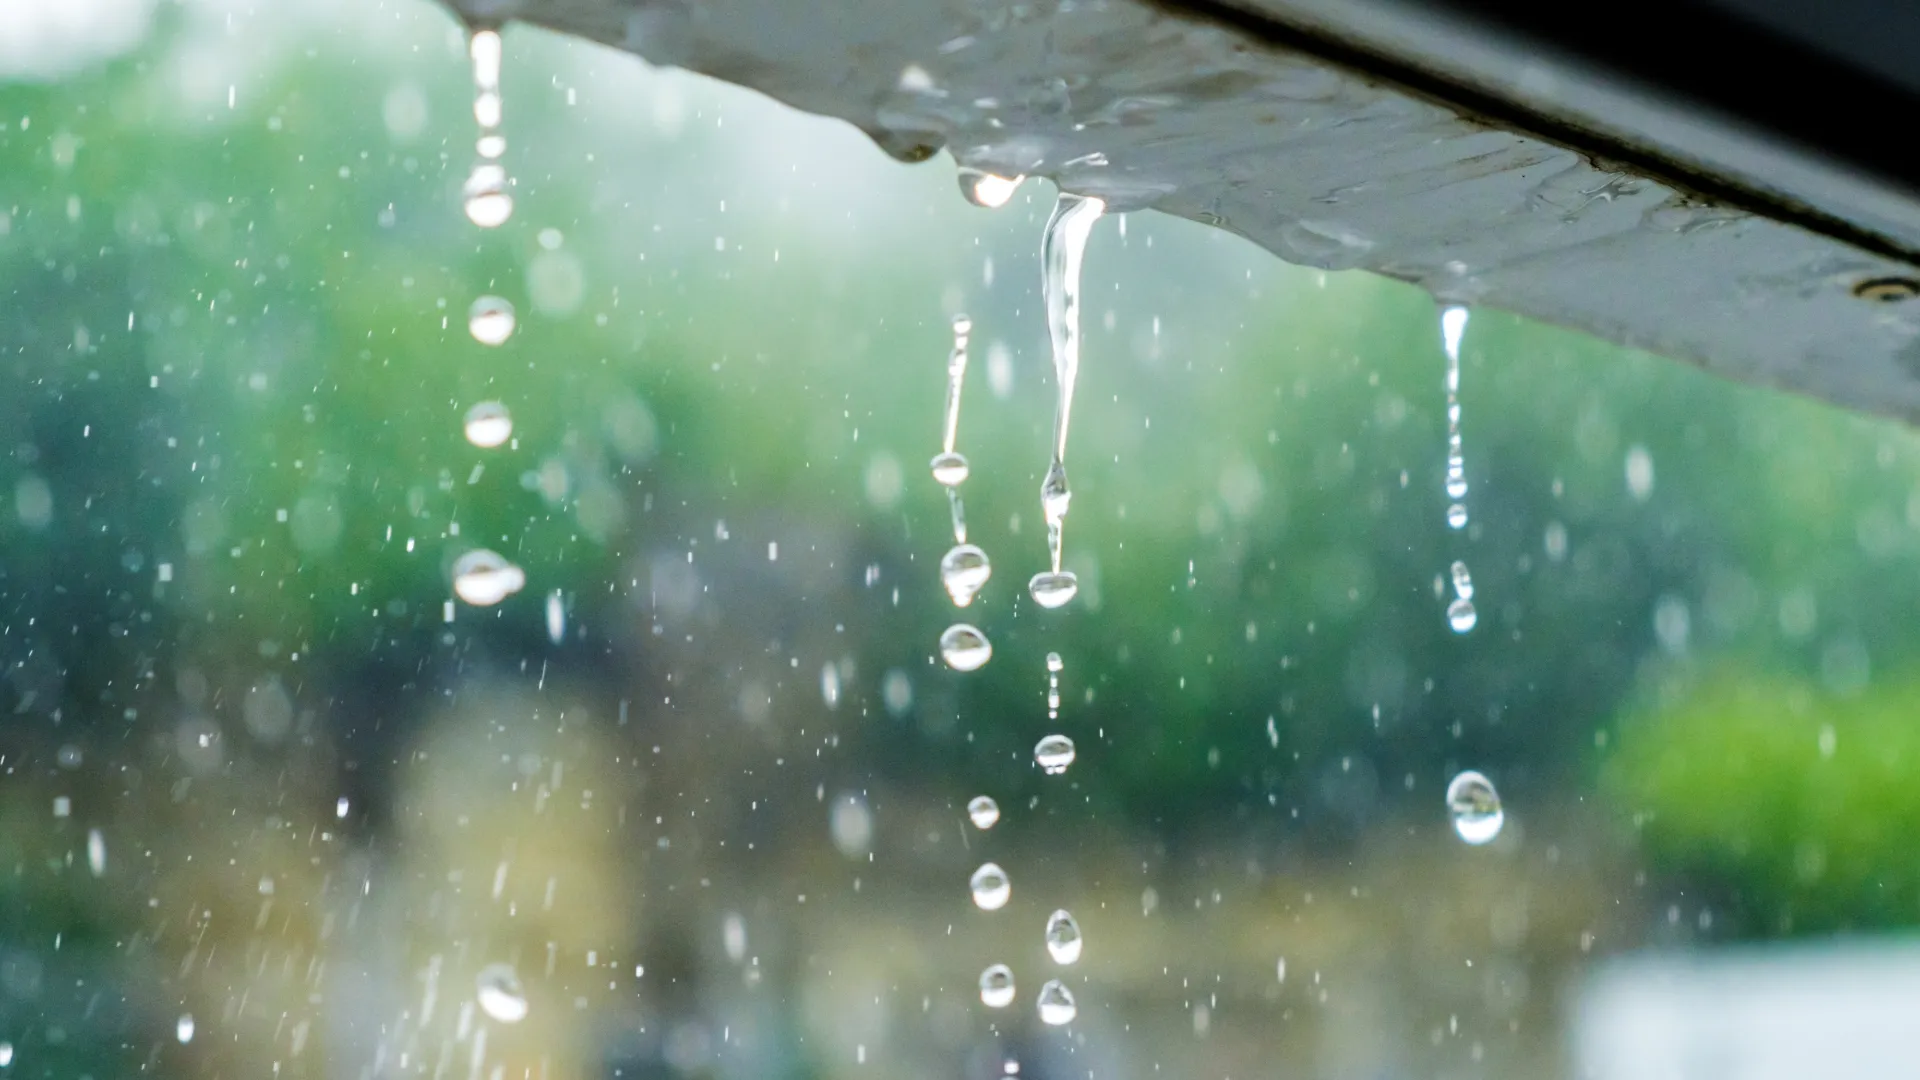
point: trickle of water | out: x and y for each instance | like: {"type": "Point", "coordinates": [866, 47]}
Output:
{"type": "Point", "coordinates": [487, 203]}
{"type": "Point", "coordinates": [490, 320]}
{"type": "Point", "coordinates": [1461, 616]}
{"type": "Point", "coordinates": [500, 994]}
{"type": "Point", "coordinates": [990, 887]}
{"type": "Point", "coordinates": [1453, 327]}
{"type": "Point", "coordinates": [965, 648]}
{"type": "Point", "coordinates": [1053, 754]}
{"type": "Point", "coordinates": [1475, 807]}
{"type": "Point", "coordinates": [996, 987]}
{"type": "Point", "coordinates": [556, 617]}
{"type": "Point", "coordinates": [964, 570]}
{"type": "Point", "coordinates": [183, 1028]}
{"type": "Point", "coordinates": [483, 578]}
{"type": "Point", "coordinates": [1056, 1004]}
{"type": "Point", "coordinates": [949, 468]}
{"type": "Point", "coordinates": [1063, 937]}
{"type": "Point", "coordinates": [1054, 665]}
{"type": "Point", "coordinates": [488, 423]}
{"type": "Point", "coordinates": [1063, 247]}
{"type": "Point", "coordinates": [983, 812]}
{"type": "Point", "coordinates": [956, 380]}
{"type": "Point", "coordinates": [984, 189]}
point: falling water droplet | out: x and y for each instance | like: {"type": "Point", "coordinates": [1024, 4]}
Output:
{"type": "Point", "coordinates": [1462, 581]}
{"type": "Point", "coordinates": [1054, 663]}
{"type": "Point", "coordinates": [483, 578]}
{"type": "Point", "coordinates": [1052, 589]}
{"type": "Point", "coordinates": [990, 887]}
{"type": "Point", "coordinates": [984, 189]}
{"type": "Point", "coordinates": [556, 617]}
{"type": "Point", "coordinates": [484, 196]}
{"type": "Point", "coordinates": [6, 1054]}
{"type": "Point", "coordinates": [183, 1028]}
{"type": "Point", "coordinates": [1063, 938]}
{"type": "Point", "coordinates": [996, 987]}
{"type": "Point", "coordinates": [950, 469]}
{"type": "Point", "coordinates": [1056, 1004]}
{"type": "Point", "coordinates": [983, 811]}
{"type": "Point", "coordinates": [489, 424]}
{"type": "Point", "coordinates": [964, 570]}
{"type": "Point", "coordinates": [500, 994]}
{"type": "Point", "coordinates": [1457, 515]}
{"type": "Point", "coordinates": [1054, 666]}
{"type": "Point", "coordinates": [490, 320]}
{"type": "Point", "coordinates": [1461, 616]}
{"type": "Point", "coordinates": [965, 648]}
{"type": "Point", "coordinates": [1053, 754]}
{"type": "Point", "coordinates": [96, 852]}
{"type": "Point", "coordinates": [1475, 807]}
{"type": "Point", "coordinates": [830, 684]}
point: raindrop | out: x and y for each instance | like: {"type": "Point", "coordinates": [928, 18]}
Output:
{"type": "Point", "coordinates": [1052, 589]}
{"type": "Point", "coordinates": [6, 1054]}
{"type": "Point", "coordinates": [483, 578]}
{"type": "Point", "coordinates": [500, 994]}
{"type": "Point", "coordinates": [965, 648]}
{"type": "Point", "coordinates": [556, 617]}
{"type": "Point", "coordinates": [485, 193]}
{"type": "Point", "coordinates": [1053, 754]}
{"type": "Point", "coordinates": [1457, 516]}
{"type": "Point", "coordinates": [1462, 581]}
{"type": "Point", "coordinates": [488, 424]}
{"type": "Point", "coordinates": [1056, 1004]}
{"type": "Point", "coordinates": [1054, 663]}
{"type": "Point", "coordinates": [985, 189]}
{"type": "Point", "coordinates": [485, 196]}
{"type": "Point", "coordinates": [183, 1028]}
{"type": "Point", "coordinates": [983, 811]}
{"type": "Point", "coordinates": [1475, 807]}
{"type": "Point", "coordinates": [490, 320]}
{"type": "Point", "coordinates": [830, 684]}
{"type": "Point", "coordinates": [1461, 616]}
{"type": "Point", "coordinates": [950, 468]}
{"type": "Point", "coordinates": [96, 852]}
{"type": "Point", "coordinates": [964, 570]}
{"type": "Point", "coordinates": [990, 887]}
{"type": "Point", "coordinates": [1063, 938]}
{"type": "Point", "coordinates": [996, 987]}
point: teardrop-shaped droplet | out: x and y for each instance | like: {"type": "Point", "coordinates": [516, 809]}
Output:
{"type": "Point", "coordinates": [1457, 516]}
{"type": "Point", "coordinates": [990, 887]}
{"type": "Point", "coordinates": [500, 994]}
{"type": "Point", "coordinates": [1056, 1004]}
{"type": "Point", "coordinates": [490, 320]}
{"type": "Point", "coordinates": [965, 648]}
{"type": "Point", "coordinates": [983, 812]}
{"type": "Point", "coordinates": [1461, 616]}
{"type": "Point", "coordinates": [1063, 938]}
{"type": "Point", "coordinates": [485, 196]}
{"type": "Point", "coordinates": [483, 578]}
{"type": "Point", "coordinates": [950, 469]}
{"type": "Point", "coordinates": [1053, 754]}
{"type": "Point", "coordinates": [1051, 590]}
{"type": "Point", "coordinates": [1462, 581]}
{"type": "Point", "coordinates": [964, 570]}
{"type": "Point", "coordinates": [985, 189]}
{"type": "Point", "coordinates": [1475, 807]}
{"type": "Point", "coordinates": [996, 987]}
{"type": "Point", "coordinates": [489, 424]}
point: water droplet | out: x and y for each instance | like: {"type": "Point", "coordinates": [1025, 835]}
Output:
{"type": "Point", "coordinates": [983, 811]}
{"type": "Point", "coordinates": [96, 852]}
{"type": "Point", "coordinates": [6, 1054]}
{"type": "Point", "coordinates": [556, 617]}
{"type": "Point", "coordinates": [996, 987]}
{"type": "Point", "coordinates": [1475, 807]}
{"type": "Point", "coordinates": [485, 196]}
{"type": "Point", "coordinates": [950, 469]}
{"type": "Point", "coordinates": [491, 145]}
{"type": "Point", "coordinates": [1462, 581]}
{"type": "Point", "coordinates": [490, 320]}
{"type": "Point", "coordinates": [1461, 616]}
{"type": "Point", "coordinates": [1054, 663]}
{"type": "Point", "coordinates": [1281, 970]}
{"type": "Point", "coordinates": [483, 578]}
{"type": "Point", "coordinates": [489, 423]}
{"type": "Point", "coordinates": [1053, 754]}
{"type": "Point", "coordinates": [984, 189]}
{"type": "Point", "coordinates": [500, 994]}
{"type": "Point", "coordinates": [965, 648]}
{"type": "Point", "coordinates": [1056, 1004]}
{"type": "Point", "coordinates": [1052, 589]}
{"type": "Point", "coordinates": [990, 887]}
{"type": "Point", "coordinates": [1063, 938]}
{"type": "Point", "coordinates": [964, 570]}
{"type": "Point", "coordinates": [830, 684]}
{"type": "Point", "coordinates": [183, 1028]}
{"type": "Point", "coordinates": [1457, 516]}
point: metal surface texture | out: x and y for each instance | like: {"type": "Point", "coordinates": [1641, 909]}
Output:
{"type": "Point", "coordinates": [1363, 134]}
